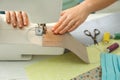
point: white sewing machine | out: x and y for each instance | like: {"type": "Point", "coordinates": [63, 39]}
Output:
{"type": "Point", "coordinates": [16, 44]}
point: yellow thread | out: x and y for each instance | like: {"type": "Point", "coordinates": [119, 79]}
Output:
{"type": "Point", "coordinates": [106, 37]}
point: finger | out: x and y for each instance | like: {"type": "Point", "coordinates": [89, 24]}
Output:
{"type": "Point", "coordinates": [59, 23]}
{"type": "Point", "coordinates": [62, 13]}
{"type": "Point", "coordinates": [13, 18]}
{"type": "Point", "coordinates": [8, 18]}
{"type": "Point", "coordinates": [19, 19]}
{"type": "Point", "coordinates": [25, 18]}
{"type": "Point", "coordinates": [71, 23]}
{"type": "Point", "coordinates": [63, 25]}
{"type": "Point", "coordinates": [74, 27]}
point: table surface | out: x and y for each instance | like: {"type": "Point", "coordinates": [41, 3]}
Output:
{"type": "Point", "coordinates": [15, 70]}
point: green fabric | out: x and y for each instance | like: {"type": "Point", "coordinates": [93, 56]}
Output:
{"type": "Point", "coordinates": [70, 3]}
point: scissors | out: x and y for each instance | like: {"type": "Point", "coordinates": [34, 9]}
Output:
{"type": "Point", "coordinates": [96, 33]}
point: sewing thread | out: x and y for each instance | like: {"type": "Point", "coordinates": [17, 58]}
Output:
{"type": "Point", "coordinates": [106, 37]}
{"type": "Point", "coordinates": [116, 36]}
{"type": "Point", "coordinates": [112, 47]}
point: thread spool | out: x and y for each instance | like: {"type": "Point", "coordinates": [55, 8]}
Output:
{"type": "Point", "coordinates": [116, 36]}
{"type": "Point", "coordinates": [112, 47]}
{"type": "Point", "coordinates": [106, 37]}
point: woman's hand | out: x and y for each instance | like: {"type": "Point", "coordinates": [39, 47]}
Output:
{"type": "Point", "coordinates": [17, 18]}
{"type": "Point", "coordinates": [70, 19]}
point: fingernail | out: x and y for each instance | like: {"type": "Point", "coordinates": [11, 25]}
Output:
{"type": "Point", "coordinates": [8, 21]}
{"type": "Point", "coordinates": [56, 33]}
{"type": "Point", "coordinates": [25, 24]}
{"type": "Point", "coordinates": [20, 25]}
{"type": "Point", "coordinates": [52, 29]}
{"type": "Point", "coordinates": [14, 24]}
{"type": "Point", "coordinates": [60, 33]}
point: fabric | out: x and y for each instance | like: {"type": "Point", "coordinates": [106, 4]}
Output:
{"type": "Point", "coordinates": [110, 64]}
{"type": "Point", "coordinates": [94, 74]}
{"type": "Point", "coordinates": [110, 70]}
{"type": "Point", "coordinates": [64, 67]}
{"type": "Point", "coordinates": [68, 66]}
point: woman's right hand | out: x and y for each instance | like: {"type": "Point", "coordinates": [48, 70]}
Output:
{"type": "Point", "coordinates": [17, 18]}
{"type": "Point", "coordinates": [71, 19]}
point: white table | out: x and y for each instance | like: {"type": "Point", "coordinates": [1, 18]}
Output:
{"type": "Point", "coordinates": [14, 70]}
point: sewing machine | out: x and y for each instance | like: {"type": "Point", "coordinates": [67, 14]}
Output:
{"type": "Point", "coordinates": [16, 44]}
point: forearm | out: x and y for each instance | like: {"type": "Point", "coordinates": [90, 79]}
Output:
{"type": "Point", "coordinates": [95, 5]}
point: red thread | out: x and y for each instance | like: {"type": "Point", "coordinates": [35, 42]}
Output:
{"type": "Point", "coordinates": [112, 47]}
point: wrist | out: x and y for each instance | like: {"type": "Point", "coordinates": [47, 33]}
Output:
{"type": "Point", "coordinates": [95, 5]}
{"type": "Point", "coordinates": [85, 6]}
